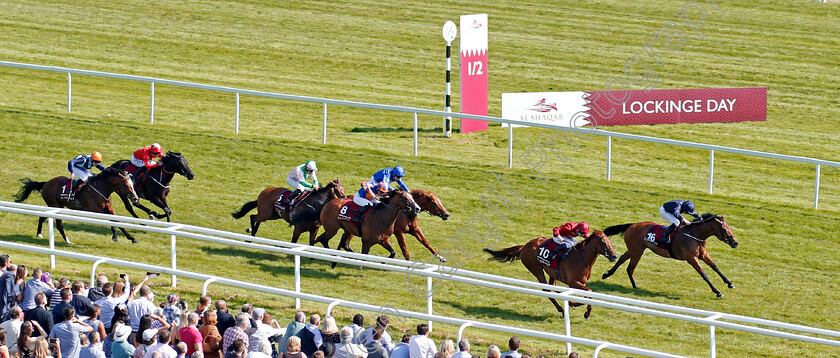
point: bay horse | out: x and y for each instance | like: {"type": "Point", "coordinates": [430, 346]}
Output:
{"type": "Point", "coordinates": [94, 196]}
{"type": "Point", "coordinates": [573, 271]}
{"type": "Point", "coordinates": [407, 222]}
{"type": "Point", "coordinates": [377, 226]}
{"type": "Point", "coordinates": [689, 244]}
{"type": "Point", "coordinates": [304, 216]}
{"type": "Point", "coordinates": [155, 186]}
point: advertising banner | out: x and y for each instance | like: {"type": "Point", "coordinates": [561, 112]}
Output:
{"type": "Point", "coordinates": [473, 70]}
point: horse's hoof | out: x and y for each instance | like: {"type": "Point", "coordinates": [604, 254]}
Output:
{"type": "Point", "coordinates": [40, 236]}
{"type": "Point", "coordinates": [68, 241]}
{"type": "Point", "coordinates": [586, 315]}
{"type": "Point", "coordinates": [731, 286]}
{"type": "Point", "coordinates": [114, 238]}
{"type": "Point", "coordinates": [134, 241]}
{"type": "Point", "coordinates": [332, 264]}
{"type": "Point", "coordinates": [605, 276]}
{"type": "Point", "coordinates": [441, 258]}
{"type": "Point", "coordinates": [719, 295]}
{"type": "Point", "coordinates": [248, 230]}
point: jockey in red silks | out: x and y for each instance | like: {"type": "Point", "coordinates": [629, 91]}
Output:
{"type": "Point", "coordinates": [145, 158]}
{"type": "Point", "coordinates": [565, 234]}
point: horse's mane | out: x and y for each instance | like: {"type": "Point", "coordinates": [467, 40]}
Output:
{"type": "Point", "coordinates": [707, 217]}
{"type": "Point", "coordinates": [421, 192]}
{"type": "Point", "coordinates": [108, 172]}
{"type": "Point", "coordinates": [174, 154]}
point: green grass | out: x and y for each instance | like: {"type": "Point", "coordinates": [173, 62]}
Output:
{"type": "Point", "coordinates": [392, 53]}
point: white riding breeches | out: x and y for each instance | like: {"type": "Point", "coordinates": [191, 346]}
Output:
{"type": "Point", "coordinates": [82, 174]}
{"type": "Point", "coordinates": [362, 201]}
{"type": "Point", "coordinates": [296, 185]}
{"type": "Point", "coordinates": [137, 162]}
{"type": "Point", "coordinates": [668, 216]}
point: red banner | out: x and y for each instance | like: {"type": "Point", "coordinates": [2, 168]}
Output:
{"type": "Point", "coordinates": [711, 105]}
{"type": "Point", "coordinates": [473, 71]}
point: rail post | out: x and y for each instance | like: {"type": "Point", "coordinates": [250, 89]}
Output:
{"type": "Point", "coordinates": [817, 187]}
{"type": "Point", "coordinates": [69, 92]}
{"type": "Point", "coordinates": [462, 328]}
{"type": "Point", "coordinates": [429, 295]}
{"type": "Point", "coordinates": [415, 134]}
{"type": "Point", "coordinates": [93, 271]}
{"type": "Point", "coordinates": [51, 229]}
{"type": "Point", "coordinates": [609, 157]}
{"type": "Point", "coordinates": [324, 126]}
{"type": "Point", "coordinates": [236, 130]}
{"type": "Point", "coordinates": [711, 169]}
{"type": "Point", "coordinates": [207, 283]}
{"type": "Point", "coordinates": [152, 106]}
{"type": "Point", "coordinates": [173, 258]}
{"type": "Point", "coordinates": [510, 146]}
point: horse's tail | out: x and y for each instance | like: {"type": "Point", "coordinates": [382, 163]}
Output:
{"type": "Point", "coordinates": [245, 209]}
{"type": "Point", "coordinates": [509, 254]}
{"type": "Point", "coordinates": [28, 186]}
{"type": "Point", "coordinates": [616, 229]}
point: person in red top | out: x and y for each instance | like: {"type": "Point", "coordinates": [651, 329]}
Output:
{"type": "Point", "coordinates": [191, 336]}
{"type": "Point", "coordinates": [145, 157]}
{"type": "Point", "coordinates": [565, 234]}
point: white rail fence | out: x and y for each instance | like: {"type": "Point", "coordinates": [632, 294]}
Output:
{"type": "Point", "coordinates": [237, 91]}
{"type": "Point", "coordinates": [432, 271]}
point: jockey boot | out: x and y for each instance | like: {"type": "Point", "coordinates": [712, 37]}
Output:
{"type": "Point", "coordinates": [136, 175]}
{"type": "Point", "coordinates": [553, 253]}
{"type": "Point", "coordinates": [71, 192]}
{"type": "Point", "coordinates": [666, 236]}
{"type": "Point", "coordinates": [358, 218]}
{"type": "Point", "coordinates": [288, 200]}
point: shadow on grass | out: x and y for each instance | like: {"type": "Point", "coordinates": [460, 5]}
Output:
{"type": "Point", "coordinates": [34, 240]}
{"type": "Point", "coordinates": [264, 262]}
{"type": "Point", "coordinates": [395, 129]}
{"type": "Point", "coordinates": [496, 312]}
{"type": "Point", "coordinates": [613, 288]}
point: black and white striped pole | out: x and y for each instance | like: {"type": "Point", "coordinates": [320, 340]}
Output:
{"type": "Point", "coordinates": [449, 33]}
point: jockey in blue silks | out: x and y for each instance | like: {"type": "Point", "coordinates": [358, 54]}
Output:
{"type": "Point", "coordinates": [79, 167]}
{"type": "Point", "coordinates": [672, 212]}
{"type": "Point", "coordinates": [379, 183]}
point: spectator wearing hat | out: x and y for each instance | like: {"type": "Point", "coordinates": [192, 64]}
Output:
{"type": "Point", "coordinates": [261, 332]}
{"type": "Point", "coordinates": [190, 335]}
{"type": "Point", "coordinates": [162, 344]}
{"type": "Point", "coordinates": [68, 332]}
{"type": "Point", "coordinates": [172, 312]}
{"type": "Point", "coordinates": [121, 348]}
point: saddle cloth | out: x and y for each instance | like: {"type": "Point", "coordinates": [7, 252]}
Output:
{"type": "Point", "coordinates": [349, 211]}
{"type": "Point", "coordinates": [543, 254]}
{"type": "Point", "coordinates": [279, 205]}
{"type": "Point", "coordinates": [654, 235]}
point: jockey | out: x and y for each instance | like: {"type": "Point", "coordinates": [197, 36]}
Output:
{"type": "Point", "coordinates": [145, 157]}
{"type": "Point", "coordinates": [378, 184]}
{"type": "Point", "coordinates": [80, 166]}
{"type": "Point", "coordinates": [671, 211]}
{"type": "Point", "coordinates": [565, 234]}
{"type": "Point", "coordinates": [297, 180]}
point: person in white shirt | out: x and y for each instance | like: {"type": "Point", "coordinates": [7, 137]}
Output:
{"type": "Point", "coordinates": [33, 287]}
{"type": "Point", "coordinates": [262, 332]}
{"type": "Point", "coordinates": [358, 327]}
{"type": "Point", "coordinates": [420, 345]}
{"type": "Point", "coordinates": [12, 327]}
{"type": "Point", "coordinates": [139, 307]}
{"type": "Point", "coordinates": [111, 300]}
{"type": "Point", "coordinates": [513, 345]}
{"type": "Point", "coordinates": [161, 346]}
{"type": "Point", "coordinates": [348, 349]}
{"type": "Point", "coordinates": [463, 349]}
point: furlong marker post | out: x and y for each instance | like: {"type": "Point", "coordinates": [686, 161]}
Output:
{"type": "Point", "coordinates": [450, 30]}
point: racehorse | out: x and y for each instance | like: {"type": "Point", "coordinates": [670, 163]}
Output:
{"type": "Point", "coordinates": [689, 244]}
{"type": "Point", "coordinates": [304, 216]}
{"type": "Point", "coordinates": [377, 225]}
{"type": "Point", "coordinates": [407, 222]}
{"type": "Point", "coordinates": [94, 196]}
{"type": "Point", "coordinates": [155, 185]}
{"type": "Point", "coordinates": [573, 271]}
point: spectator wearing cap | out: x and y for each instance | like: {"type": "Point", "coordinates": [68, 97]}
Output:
{"type": "Point", "coordinates": [121, 348]}
{"type": "Point", "coordinates": [294, 327]}
{"type": "Point", "coordinates": [261, 332]}
{"type": "Point", "coordinates": [463, 349]}
{"type": "Point", "coordinates": [96, 293]}
{"type": "Point", "coordinates": [190, 335]}
{"type": "Point", "coordinates": [420, 345]}
{"type": "Point", "coordinates": [381, 321]}
{"type": "Point", "coordinates": [401, 349]}
{"type": "Point", "coordinates": [33, 287]}
{"type": "Point", "coordinates": [40, 314]}
{"type": "Point", "coordinates": [513, 345]}
{"type": "Point", "coordinates": [224, 319]}
{"type": "Point", "coordinates": [172, 312]}
{"type": "Point", "coordinates": [68, 332]}
{"type": "Point", "coordinates": [236, 332]}
{"type": "Point", "coordinates": [162, 344]}
{"type": "Point", "coordinates": [310, 336]}
{"type": "Point", "coordinates": [80, 301]}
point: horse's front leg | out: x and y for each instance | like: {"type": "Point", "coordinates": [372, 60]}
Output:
{"type": "Point", "coordinates": [696, 264]}
{"type": "Point", "coordinates": [418, 233]}
{"type": "Point", "coordinates": [130, 207]}
{"type": "Point", "coordinates": [708, 260]}
{"type": "Point", "coordinates": [161, 203]}
{"type": "Point", "coordinates": [552, 281]}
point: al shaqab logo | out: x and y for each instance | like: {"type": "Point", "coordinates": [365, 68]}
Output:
{"type": "Point", "coordinates": [542, 107]}
{"type": "Point", "coordinates": [476, 24]}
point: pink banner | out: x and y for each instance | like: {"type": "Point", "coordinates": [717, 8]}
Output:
{"type": "Point", "coordinates": [473, 71]}
{"type": "Point", "coordinates": [711, 105]}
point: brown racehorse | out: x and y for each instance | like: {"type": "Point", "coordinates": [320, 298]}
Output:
{"type": "Point", "coordinates": [407, 222]}
{"type": "Point", "coordinates": [689, 245]}
{"type": "Point", "coordinates": [304, 216]}
{"type": "Point", "coordinates": [94, 196]}
{"type": "Point", "coordinates": [574, 270]}
{"type": "Point", "coordinates": [377, 226]}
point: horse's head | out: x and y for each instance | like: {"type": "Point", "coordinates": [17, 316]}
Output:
{"type": "Point", "coordinates": [601, 244]}
{"type": "Point", "coordinates": [430, 202]}
{"type": "Point", "coordinates": [333, 189]}
{"type": "Point", "coordinates": [404, 201]}
{"type": "Point", "coordinates": [174, 162]}
{"type": "Point", "coordinates": [120, 182]}
{"type": "Point", "coordinates": [722, 229]}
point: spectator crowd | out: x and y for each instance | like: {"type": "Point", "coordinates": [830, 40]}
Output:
{"type": "Point", "coordinates": [42, 318]}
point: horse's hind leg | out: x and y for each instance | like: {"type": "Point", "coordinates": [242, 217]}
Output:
{"type": "Point", "coordinates": [552, 281]}
{"type": "Point", "coordinates": [708, 260]}
{"type": "Point", "coordinates": [40, 226]}
{"type": "Point", "coordinates": [60, 225]}
{"type": "Point", "coordinates": [696, 264]}
{"type": "Point", "coordinates": [631, 267]}
{"type": "Point", "coordinates": [618, 263]}
{"type": "Point", "coordinates": [255, 225]}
